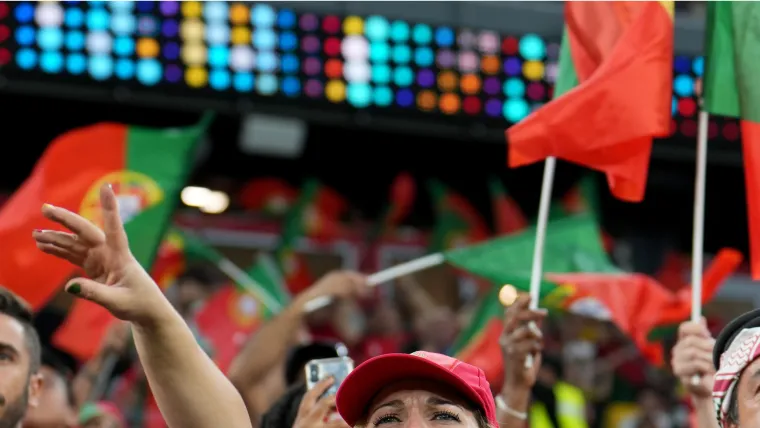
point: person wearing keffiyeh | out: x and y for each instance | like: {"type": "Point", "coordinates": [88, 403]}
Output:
{"type": "Point", "coordinates": [736, 391]}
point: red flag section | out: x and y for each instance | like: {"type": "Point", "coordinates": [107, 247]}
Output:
{"type": "Point", "coordinates": [62, 177]}
{"type": "Point", "coordinates": [751, 152]}
{"type": "Point", "coordinates": [622, 53]}
{"type": "Point", "coordinates": [226, 320]}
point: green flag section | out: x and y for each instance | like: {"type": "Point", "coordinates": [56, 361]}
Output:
{"type": "Point", "coordinates": [146, 167]}
{"type": "Point", "coordinates": [731, 88]}
{"type": "Point", "coordinates": [457, 222]}
{"type": "Point", "coordinates": [232, 313]}
{"type": "Point", "coordinates": [574, 245]}
{"type": "Point", "coordinates": [507, 215]}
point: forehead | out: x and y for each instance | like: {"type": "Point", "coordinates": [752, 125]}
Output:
{"type": "Point", "coordinates": [12, 333]}
{"type": "Point", "coordinates": [416, 391]}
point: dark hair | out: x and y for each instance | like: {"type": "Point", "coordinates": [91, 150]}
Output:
{"type": "Point", "coordinates": [733, 410]}
{"type": "Point", "coordinates": [284, 411]}
{"type": "Point", "coordinates": [300, 355]}
{"type": "Point", "coordinates": [14, 307]}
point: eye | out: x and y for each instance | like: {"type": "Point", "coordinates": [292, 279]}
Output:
{"type": "Point", "coordinates": [386, 419]}
{"type": "Point", "coordinates": [445, 415]}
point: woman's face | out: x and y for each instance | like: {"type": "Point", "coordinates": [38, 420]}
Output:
{"type": "Point", "coordinates": [413, 404]}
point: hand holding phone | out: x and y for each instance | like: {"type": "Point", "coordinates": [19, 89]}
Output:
{"type": "Point", "coordinates": [317, 410]}
{"type": "Point", "coordinates": [336, 368]}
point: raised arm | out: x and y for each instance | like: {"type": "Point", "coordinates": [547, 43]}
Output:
{"type": "Point", "coordinates": [189, 389]}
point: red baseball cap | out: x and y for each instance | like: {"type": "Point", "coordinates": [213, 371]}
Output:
{"type": "Point", "coordinates": [362, 385]}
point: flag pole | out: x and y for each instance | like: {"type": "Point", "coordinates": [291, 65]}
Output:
{"type": "Point", "coordinates": [698, 233]}
{"type": "Point", "coordinates": [538, 250]}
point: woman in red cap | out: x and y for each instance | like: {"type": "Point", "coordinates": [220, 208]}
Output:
{"type": "Point", "coordinates": [421, 390]}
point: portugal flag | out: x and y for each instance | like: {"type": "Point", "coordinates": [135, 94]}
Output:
{"type": "Point", "coordinates": [613, 93]}
{"type": "Point", "coordinates": [732, 89]}
{"type": "Point", "coordinates": [147, 169]}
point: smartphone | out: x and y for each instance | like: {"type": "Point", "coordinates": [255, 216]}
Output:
{"type": "Point", "coordinates": [338, 368]}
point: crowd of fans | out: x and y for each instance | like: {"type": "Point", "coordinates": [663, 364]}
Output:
{"type": "Point", "coordinates": [585, 373]}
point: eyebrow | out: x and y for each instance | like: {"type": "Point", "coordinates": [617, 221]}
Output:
{"type": "Point", "coordinates": [6, 347]}
{"type": "Point", "coordinates": [438, 401]}
{"type": "Point", "coordinates": [396, 404]}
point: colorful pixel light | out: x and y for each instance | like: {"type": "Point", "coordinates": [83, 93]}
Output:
{"type": "Point", "coordinates": [235, 48]}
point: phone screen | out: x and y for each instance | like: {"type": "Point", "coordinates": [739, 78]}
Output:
{"type": "Point", "coordinates": [338, 368]}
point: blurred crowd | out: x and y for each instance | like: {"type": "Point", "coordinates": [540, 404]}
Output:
{"type": "Point", "coordinates": [586, 364]}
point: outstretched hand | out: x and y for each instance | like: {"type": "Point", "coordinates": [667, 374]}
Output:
{"type": "Point", "coordinates": [118, 282]}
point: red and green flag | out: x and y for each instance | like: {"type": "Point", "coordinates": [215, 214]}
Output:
{"type": "Point", "coordinates": [612, 97]}
{"type": "Point", "coordinates": [507, 215]}
{"type": "Point", "coordinates": [574, 245]}
{"type": "Point", "coordinates": [293, 265]}
{"type": "Point", "coordinates": [87, 323]}
{"type": "Point", "coordinates": [638, 305]}
{"type": "Point", "coordinates": [731, 89]}
{"type": "Point", "coordinates": [582, 198]}
{"type": "Point", "coordinates": [227, 319]}
{"type": "Point", "coordinates": [457, 222]}
{"type": "Point", "coordinates": [270, 196]}
{"type": "Point", "coordinates": [147, 169]}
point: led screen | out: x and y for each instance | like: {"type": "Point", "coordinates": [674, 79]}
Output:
{"type": "Point", "coordinates": [233, 50]}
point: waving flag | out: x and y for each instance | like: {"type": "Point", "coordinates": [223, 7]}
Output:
{"type": "Point", "coordinates": [147, 169]}
{"type": "Point", "coordinates": [731, 89]}
{"type": "Point", "coordinates": [613, 94]}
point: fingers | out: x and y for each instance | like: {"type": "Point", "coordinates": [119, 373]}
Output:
{"type": "Point", "coordinates": [693, 355]}
{"type": "Point", "coordinates": [310, 398]}
{"type": "Point", "coordinates": [519, 314]}
{"type": "Point", "coordinates": [103, 295]}
{"type": "Point", "coordinates": [83, 228]}
{"type": "Point", "coordinates": [112, 224]}
{"type": "Point", "coordinates": [523, 341]}
{"type": "Point", "coordinates": [691, 328]}
{"type": "Point", "coordinates": [324, 407]}
{"type": "Point", "coordinates": [64, 240]}
{"type": "Point", "coordinates": [54, 250]}
{"type": "Point", "coordinates": [358, 283]}
{"type": "Point", "coordinates": [689, 368]}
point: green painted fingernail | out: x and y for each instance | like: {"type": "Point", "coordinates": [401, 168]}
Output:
{"type": "Point", "coordinates": [74, 289]}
